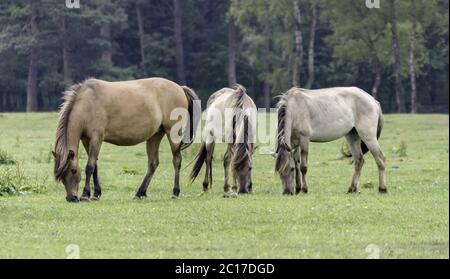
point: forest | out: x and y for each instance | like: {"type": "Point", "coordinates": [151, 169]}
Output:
{"type": "Point", "coordinates": [397, 51]}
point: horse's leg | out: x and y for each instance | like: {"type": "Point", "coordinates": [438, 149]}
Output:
{"type": "Point", "coordinates": [94, 144]}
{"type": "Point", "coordinates": [208, 172]}
{"type": "Point", "coordinates": [153, 162]}
{"type": "Point", "coordinates": [374, 147]}
{"type": "Point", "coordinates": [354, 142]}
{"type": "Point", "coordinates": [298, 176]}
{"type": "Point", "coordinates": [97, 188]}
{"type": "Point", "coordinates": [226, 167]}
{"type": "Point", "coordinates": [304, 147]}
{"type": "Point", "coordinates": [176, 161]}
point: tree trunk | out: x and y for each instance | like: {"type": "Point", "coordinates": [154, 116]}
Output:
{"type": "Point", "coordinates": [397, 57]}
{"type": "Point", "coordinates": [412, 62]}
{"type": "Point", "coordinates": [312, 37]}
{"type": "Point", "coordinates": [105, 33]}
{"type": "Point", "coordinates": [66, 53]}
{"type": "Point", "coordinates": [179, 52]}
{"type": "Point", "coordinates": [32, 94]}
{"type": "Point", "coordinates": [232, 48]}
{"type": "Point", "coordinates": [141, 34]}
{"type": "Point", "coordinates": [376, 83]}
{"type": "Point", "coordinates": [266, 86]}
{"type": "Point", "coordinates": [298, 61]}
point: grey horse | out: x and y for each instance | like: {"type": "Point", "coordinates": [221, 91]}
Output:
{"type": "Point", "coordinates": [325, 115]}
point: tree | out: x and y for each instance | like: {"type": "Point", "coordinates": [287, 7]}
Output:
{"type": "Point", "coordinates": [232, 49]}
{"type": "Point", "coordinates": [298, 62]}
{"type": "Point", "coordinates": [397, 57]}
{"type": "Point", "coordinates": [178, 14]}
{"type": "Point", "coordinates": [412, 62]}
{"type": "Point", "coordinates": [312, 37]}
{"type": "Point", "coordinates": [67, 68]}
{"type": "Point", "coordinates": [364, 43]}
{"type": "Point", "coordinates": [140, 23]}
{"type": "Point", "coordinates": [32, 92]}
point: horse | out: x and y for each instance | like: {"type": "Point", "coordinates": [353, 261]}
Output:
{"type": "Point", "coordinates": [325, 115]}
{"type": "Point", "coordinates": [234, 110]}
{"type": "Point", "coordinates": [122, 113]}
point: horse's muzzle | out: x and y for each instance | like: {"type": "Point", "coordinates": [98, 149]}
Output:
{"type": "Point", "coordinates": [72, 199]}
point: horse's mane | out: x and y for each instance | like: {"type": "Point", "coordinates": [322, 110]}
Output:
{"type": "Point", "coordinates": [214, 96]}
{"type": "Point", "coordinates": [61, 153]}
{"type": "Point", "coordinates": [282, 148]}
{"type": "Point", "coordinates": [241, 148]}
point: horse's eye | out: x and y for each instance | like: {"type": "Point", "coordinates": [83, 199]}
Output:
{"type": "Point", "coordinates": [73, 171]}
{"type": "Point", "coordinates": [292, 169]}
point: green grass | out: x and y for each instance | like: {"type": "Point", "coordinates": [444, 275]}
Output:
{"type": "Point", "coordinates": [411, 221]}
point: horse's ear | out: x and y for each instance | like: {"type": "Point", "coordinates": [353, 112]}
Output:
{"type": "Point", "coordinates": [54, 154]}
{"type": "Point", "coordinates": [71, 154]}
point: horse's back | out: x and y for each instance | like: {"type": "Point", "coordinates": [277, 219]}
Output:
{"type": "Point", "coordinates": [330, 113]}
{"type": "Point", "coordinates": [220, 110]}
{"type": "Point", "coordinates": [132, 111]}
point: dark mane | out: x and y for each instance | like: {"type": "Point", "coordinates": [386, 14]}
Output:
{"type": "Point", "coordinates": [61, 152]}
{"type": "Point", "coordinates": [241, 147]}
{"type": "Point", "coordinates": [241, 151]}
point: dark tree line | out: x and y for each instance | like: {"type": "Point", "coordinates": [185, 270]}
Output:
{"type": "Point", "coordinates": [398, 53]}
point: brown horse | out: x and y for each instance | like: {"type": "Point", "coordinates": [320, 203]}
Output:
{"type": "Point", "coordinates": [123, 113]}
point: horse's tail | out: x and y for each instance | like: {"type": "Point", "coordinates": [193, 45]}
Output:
{"type": "Point", "coordinates": [199, 160]}
{"type": "Point", "coordinates": [194, 117]}
{"type": "Point", "coordinates": [379, 128]}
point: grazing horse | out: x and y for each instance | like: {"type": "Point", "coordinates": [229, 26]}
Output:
{"type": "Point", "coordinates": [321, 116]}
{"type": "Point", "coordinates": [123, 113]}
{"type": "Point", "coordinates": [235, 111]}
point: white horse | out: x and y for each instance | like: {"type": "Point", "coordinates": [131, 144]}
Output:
{"type": "Point", "coordinates": [231, 118]}
{"type": "Point", "coordinates": [321, 116]}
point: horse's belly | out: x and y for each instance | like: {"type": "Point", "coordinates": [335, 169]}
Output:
{"type": "Point", "coordinates": [129, 134]}
{"type": "Point", "coordinates": [329, 131]}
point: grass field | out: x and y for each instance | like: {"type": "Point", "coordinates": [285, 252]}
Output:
{"type": "Point", "coordinates": [411, 221]}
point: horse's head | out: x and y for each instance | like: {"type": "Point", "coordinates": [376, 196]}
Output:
{"type": "Point", "coordinates": [285, 167]}
{"type": "Point", "coordinates": [242, 167]}
{"type": "Point", "coordinates": [68, 172]}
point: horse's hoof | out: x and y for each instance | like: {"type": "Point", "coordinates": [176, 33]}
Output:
{"type": "Point", "coordinates": [382, 190]}
{"type": "Point", "coordinates": [84, 199]}
{"type": "Point", "coordinates": [230, 194]}
{"type": "Point", "coordinates": [138, 198]}
{"type": "Point", "coordinates": [288, 193]}
{"type": "Point", "coordinates": [94, 198]}
{"type": "Point", "coordinates": [352, 190]}
{"type": "Point", "coordinates": [174, 197]}
{"type": "Point", "coordinates": [72, 199]}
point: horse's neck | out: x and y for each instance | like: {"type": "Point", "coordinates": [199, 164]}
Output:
{"type": "Point", "coordinates": [73, 134]}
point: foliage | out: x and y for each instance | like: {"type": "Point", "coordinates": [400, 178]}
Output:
{"type": "Point", "coordinates": [13, 181]}
{"type": "Point", "coordinates": [6, 158]}
{"type": "Point", "coordinates": [349, 38]}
